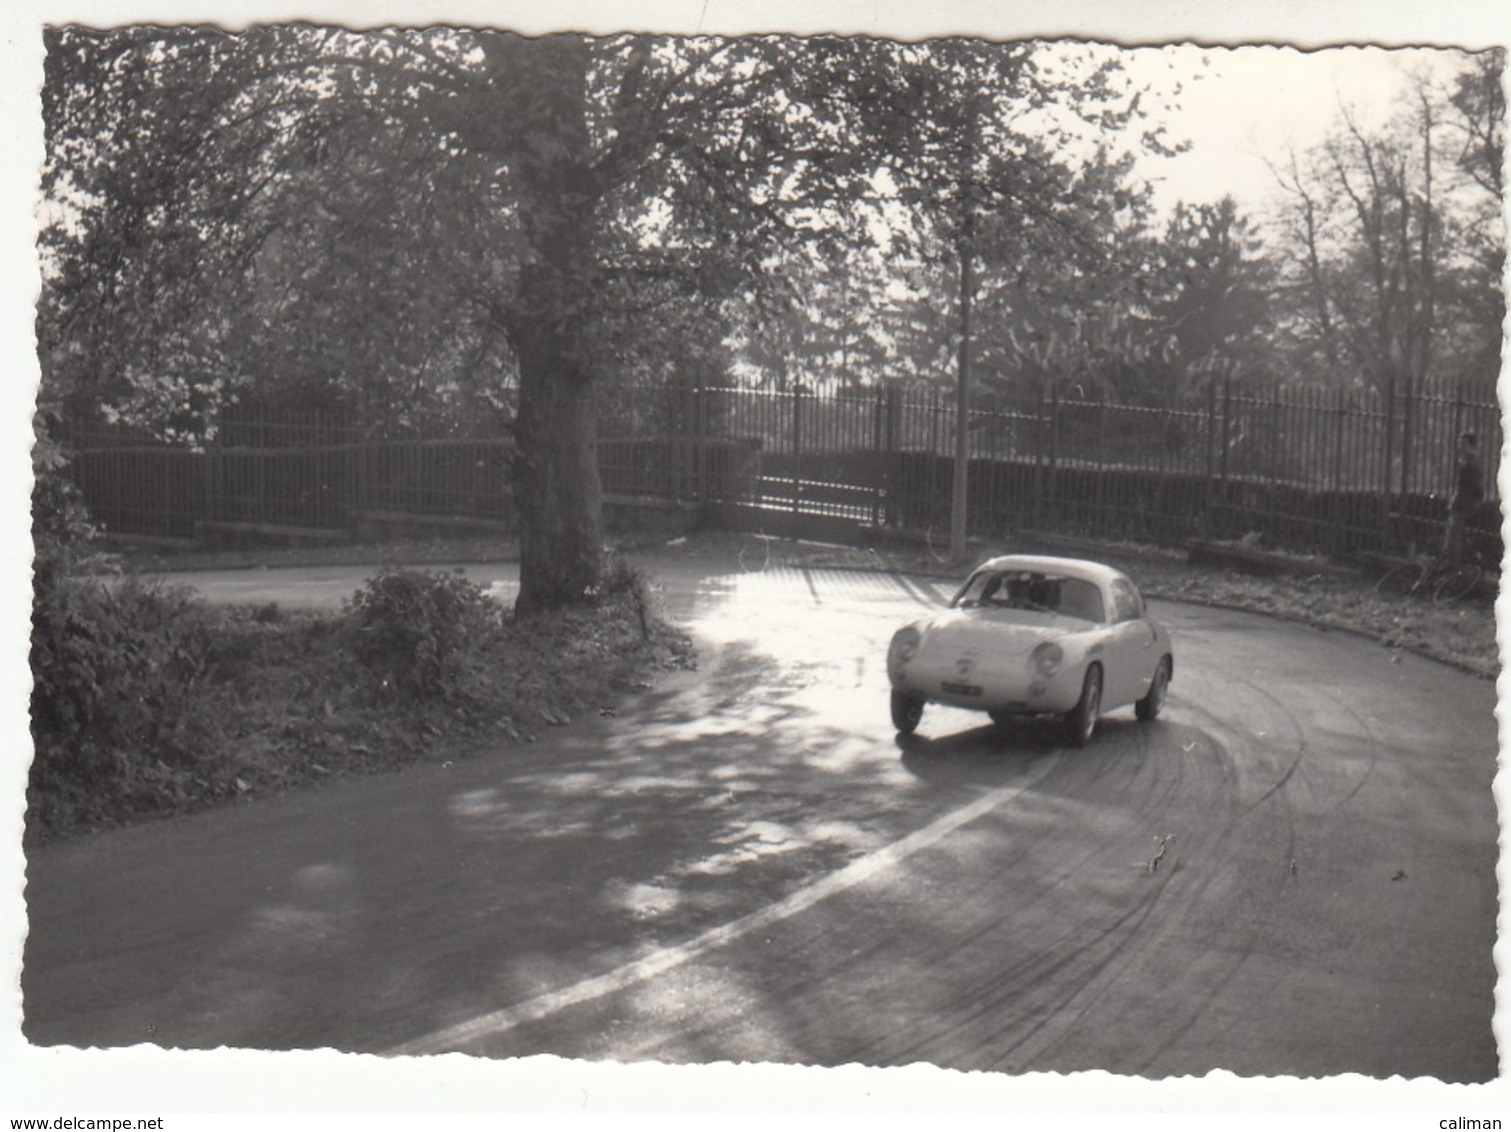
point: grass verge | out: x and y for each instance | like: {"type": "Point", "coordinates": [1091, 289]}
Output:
{"type": "Point", "coordinates": [150, 702]}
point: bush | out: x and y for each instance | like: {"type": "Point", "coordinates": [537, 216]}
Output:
{"type": "Point", "coordinates": [148, 701]}
{"type": "Point", "coordinates": [116, 670]}
{"type": "Point", "coordinates": [413, 631]}
{"type": "Point", "coordinates": [62, 532]}
{"type": "Point", "coordinates": [621, 581]}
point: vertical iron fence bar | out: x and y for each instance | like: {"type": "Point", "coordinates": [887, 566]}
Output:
{"type": "Point", "coordinates": [1364, 451]}
{"type": "Point", "coordinates": [900, 488]}
{"type": "Point", "coordinates": [1387, 482]}
{"type": "Point", "coordinates": [830, 406]}
{"type": "Point", "coordinates": [896, 515]}
{"type": "Point", "coordinates": [211, 504]}
{"type": "Point", "coordinates": [259, 464]}
{"type": "Point", "coordinates": [409, 461]}
{"type": "Point", "coordinates": [366, 492]}
{"type": "Point", "coordinates": [684, 440]}
{"type": "Point", "coordinates": [749, 405]}
{"type": "Point", "coordinates": [431, 472]}
{"type": "Point", "coordinates": [884, 469]}
{"type": "Point", "coordinates": [797, 447]}
{"type": "Point", "coordinates": [1036, 503]}
{"type": "Point", "coordinates": [820, 402]}
{"type": "Point", "coordinates": [1343, 518]}
{"type": "Point", "coordinates": [1296, 458]}
{"type": "Point", "coordinates": [1446, 425]}
{"type": "Point", "coordinates": [1441, 412]}
{"type": "Point", "coordinates": [1209, 492]}
{"type": "Point", "coordinates": [1313, 455]}
{"type": "Point", "coordinates": [165, 467]}
{"type": "Point", "coordinates": [351, 470]}
{"type": "Point", "coordinates": [933, 476]}
{"type": "Point", "coordinates": [1457, 428]}
{"type": "Point", "coordinates": [1226, 447]}
{"type": "Point", "coordinates": [996, 425]}
{"type": "Point", "coordinates": [1052, 486]}
{"type": "Point", "coordinates": [878, 490]}
{"type": "Point", "coordinates": [1360, 426]}
{"type": "Point", "coordinates": [1272, 479]}
{"type": "Point", "coordinates": [1411, 415]}
{"type": "Point", "coordinates": [701, 492]}
{"type": "Point", "coordinates": [772, 407]}
{"type": "Point", "coordinates": [1099, 464]}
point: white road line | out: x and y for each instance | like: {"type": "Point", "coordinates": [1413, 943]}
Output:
{"type": "Point", "coordinates": [462, 1034]}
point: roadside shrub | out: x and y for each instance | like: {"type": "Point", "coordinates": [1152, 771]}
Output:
{"type": "Point", "coordinates": [622, 581]}
{"type": "Point", "coordinates": [117, 670]}
{"type": "Point", "coordinates": [62, 532]}
{"type": "Point", "coordinates": [414, 631]}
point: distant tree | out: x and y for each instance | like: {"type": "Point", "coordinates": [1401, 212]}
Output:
{"type": "Point", "coordinates": [1390, 239]}
{"type": "Point", "coordinates": [1210, 292]}
{"type": "Point", "coordinates": [824, 326]}
{"type": "Point", "coordinates": [1473, 299]}
{"type": "Point", "coordinates": [1478, 99]}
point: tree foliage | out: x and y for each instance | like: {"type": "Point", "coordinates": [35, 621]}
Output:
{"type": "Point", "coordinates": [471, 228]}
{"type": "Point", "coordinates": [417, 221]}
{"type": "Point", "coordinates": [1392, 239]}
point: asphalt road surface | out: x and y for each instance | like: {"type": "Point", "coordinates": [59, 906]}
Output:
{"type": "Point", "coordinates": [1292, 872]}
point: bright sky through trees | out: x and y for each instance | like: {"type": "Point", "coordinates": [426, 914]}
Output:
{"type": "Point", "coordinates": [1241, 106]}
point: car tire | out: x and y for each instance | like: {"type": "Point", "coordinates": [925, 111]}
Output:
{"type": "Point", "coordinates": [1081, 720]}
{"type": "Point", "coordinates": [907, 711]}
{"type": "Point", "coordinates": [1148, 708]}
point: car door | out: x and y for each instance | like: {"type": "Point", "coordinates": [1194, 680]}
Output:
{"type": "Point", "coordinates": [1130, 649]}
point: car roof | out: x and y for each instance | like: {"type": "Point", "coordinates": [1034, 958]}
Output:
{"type": "Point", "coordinates": [1049, 564]}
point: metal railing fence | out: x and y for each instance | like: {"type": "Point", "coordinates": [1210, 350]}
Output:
{"type": "Point", "coordinates": [1311, 469]}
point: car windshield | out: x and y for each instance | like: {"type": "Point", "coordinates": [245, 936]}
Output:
{"type": "Point", "coordinates": [1035, 590]}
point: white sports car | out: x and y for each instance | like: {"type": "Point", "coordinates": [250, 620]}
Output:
{"type": "Point", "coordinates": [1034, 635]}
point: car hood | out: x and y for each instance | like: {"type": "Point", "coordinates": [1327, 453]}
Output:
{"type": "Point", "coordinates": [996, 629]}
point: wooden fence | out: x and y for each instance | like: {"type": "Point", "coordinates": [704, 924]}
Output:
{"type": "Point", "coordinates": [1323, 470]}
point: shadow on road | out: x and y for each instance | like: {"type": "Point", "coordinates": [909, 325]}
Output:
{"type": "Point", "coordinates": [989, 755]}
{"type": "Point", "coordinates": [986, 755]}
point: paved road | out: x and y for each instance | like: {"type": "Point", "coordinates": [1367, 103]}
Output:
{"type": "Point", "coordinates": [747, 864]}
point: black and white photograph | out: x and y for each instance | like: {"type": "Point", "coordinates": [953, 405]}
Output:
{"type": "Point", "coordinates": [703, 558]}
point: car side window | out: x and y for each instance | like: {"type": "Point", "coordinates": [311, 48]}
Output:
{"type": "Point", "coordinates": [1080, 599]}
{"type": "Point", "coordinates": [1127, 605]}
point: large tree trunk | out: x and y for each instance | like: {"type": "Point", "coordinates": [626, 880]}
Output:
{"type": "Point", "coordinates": [556, 485]}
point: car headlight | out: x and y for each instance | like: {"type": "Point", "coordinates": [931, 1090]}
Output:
{"type": "Point", "coordinates": [904, 647]}
{"type": "Point", "coordinates": [1046, 658]}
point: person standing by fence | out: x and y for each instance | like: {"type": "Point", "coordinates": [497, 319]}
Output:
{"type": "Point", "coordinates": [1468, 494]}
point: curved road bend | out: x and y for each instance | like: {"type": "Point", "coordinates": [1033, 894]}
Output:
{"type": "Point", "coordinates": [1291, 873]}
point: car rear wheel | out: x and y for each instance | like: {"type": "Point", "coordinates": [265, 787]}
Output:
{"type": "Point", "coordinates": [906, 712]}
{"type": "Point", "coordinates": [1149, 707]}
{"type": "Point", "coordinates": [1081, 720]}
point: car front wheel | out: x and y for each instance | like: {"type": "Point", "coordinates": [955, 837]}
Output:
{"type": "Point", "coordinates": [1149, 707]}
{"type": "Point", "coordinates": [906, 712]}
{"type": "Point", "coordinates": [1081, 720]}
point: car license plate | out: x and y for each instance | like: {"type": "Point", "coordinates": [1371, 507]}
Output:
{"type": "Point", "coordinates": [961, 689]}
